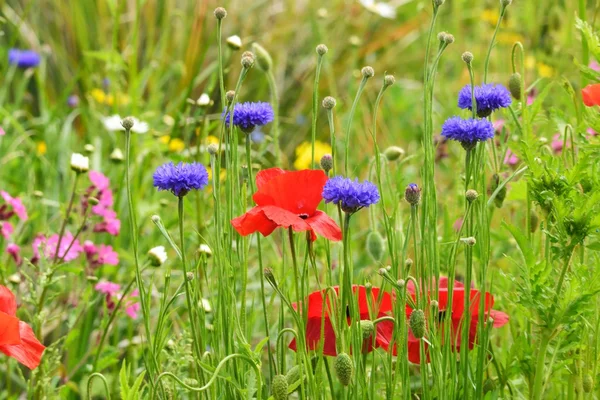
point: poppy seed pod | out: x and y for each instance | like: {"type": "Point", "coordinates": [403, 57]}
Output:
{"type": "Point", "coordinates": [416, 321]}
{"type": "Point", "coordinates": [514, 85]}
{"type": "Point", "coordinates": [393, 153]}
{"type": "Point", "coordinates": [322, 49]}
{"type": "Point", "coordinates": [588, 383]}
{"type": "Point", "coordinates": [367, 72]}
{"type": "Point", "coordinates": [367, 328]}
{"type": "Point", "coordinates": [329, 102]}
{"type": "Point", "coordinates": [294, 375]}
{"type": "Point", "coordinates": [344, 368]}
{"type": "Point", "coordinates": [327, 163]}
{"type": "Point", "coordinates": [279, 387]}
{"type": "Point", "coordinates": [467, 57]}
{"type": "Point", "coordinates": [220, 13]}
{"type": "Point", "coordinates": [375, 246]}
{"type": "Point", "coordinates": [263, 58]}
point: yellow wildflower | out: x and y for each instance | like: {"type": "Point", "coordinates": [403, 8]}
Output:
{"type": "Point", "coordinates": [176, 145]}
{"type": "Point", "coordinates": [509, 38]}
{"type": "Point", "coordinates": [304, 154]}
{"type": "Point", "coordinates": [41, 148]}
{"type": "Point", "coordinates": [544, 70]}
{"type": "Point", "coordinates": [103, 98]}
{"type": "Point", "coordinates": [212, 139]}
{"type": "Point", "coordinates": [164, 139]}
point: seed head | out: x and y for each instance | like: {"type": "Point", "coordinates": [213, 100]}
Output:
{"type": "Point", "coordinates": [329, 102]}
{"type": "Point", "coordinates": [375, 246]}
{"type": "Point", "coordinates": [489, 385]}
{"type": "Point", "coordinates": [279, 387]}
{"type": "Point", "coordinates": [234, 42]}
{"type": "Point", "coordinates": [393, 153]}
{"type": "Point", "coordinates": [248, 59]}
{"type": "Point", "coordinates": [408, 263]}
{"type": "Point", "coordinates": [263, 58]}
{"type": "Point", "coordinates": [442, 36]}
{"type": "Point", "coordinates": [514, 85]}
{"type": "Point", "coordinates": [416, 321]}
{"type": "Point", "coordinates": [327, 163]}
{"type": "Point", "coordinates": [203, 100]}
{"type": "Point", "coordinates": [127, 123]}
{"type": "Point", "coordinates": [382, 271]}
{"type": "Point", "coordinates": [367, 72]}
{"type": "Point", "coordinates": [388, 80]}
{"type": "Point", "coordinates": [220, 13]}
{"type": "Point", "coordinates": [213, 149]}
{"type": "Point", "coordinates": [471, 195]}
{"type": "Point", "coordinates": [367, 328]}
{"type": "Point", "coordinates": [205, 250]}
{"type": "Point", "coordinates": [344, 368]}
{"type": "Point", "coordinates": [467, 57]}
{"type": "Point", "coordinates": [322, 50]}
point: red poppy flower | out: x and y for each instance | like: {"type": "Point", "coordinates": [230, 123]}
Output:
{"type": "Point", "coordinates": [288, 198]}
{"type": "Point", "coordinates": [16, 337]}
{"type": "Point", "coordinates": [457, 309]}
{"type": "Point", "coordinates": [591, 95]}
{"type": "Point", "coordinates": [383, 333]}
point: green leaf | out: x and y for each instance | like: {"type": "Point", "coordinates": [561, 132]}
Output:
{"type": "Point", "coordinates": [135, 389]}
{"type": "Point", "coordinates": [523, 244]}
{"type": "Point", "coordinates": [124, 380]}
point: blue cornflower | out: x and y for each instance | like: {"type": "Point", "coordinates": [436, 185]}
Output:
{"type": "Point", "coordinates": [23, 58]}
{"type": "Point", "coordinates": [247, 116]}
{"type": "Point", "coordinates": [489, 97]}
{"type": "Point", "coordinates": [181, 178]}
{"type": "Point", "coordinates": [468, 131]}
{"type": "Point", "coordinates": [350, 194]}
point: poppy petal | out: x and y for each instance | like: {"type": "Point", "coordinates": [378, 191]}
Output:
{"type": "Point", "coordinates": [254, 220]}
{"type": "Point", "coordinates": [265, 175]}
{"type": "Point", "coordinates": [9, 329]}
{"type": "Point", "coordinates": [8, 302]}
{"type": "Point", "coordinates": [29, 351]}
{"type": "Point", "coordinates": [500, 318]}
{"type": "Point", "coordinates": [591, 95]}
{"type": "Point", "coordinates": [298, 192]}
{"type": "Point", "coordinates": [285, 219]}
{"type": "Point", "coordinates": [322, 224]}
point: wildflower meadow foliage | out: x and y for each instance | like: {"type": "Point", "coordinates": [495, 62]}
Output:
{"type": "Point", "coordinates": [276, 219]}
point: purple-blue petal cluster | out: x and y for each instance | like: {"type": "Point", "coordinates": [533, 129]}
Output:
{"type": "Point", "coordinates": [489, 97]}
{"type": "Point", "coordinates": [467, 131]}
{"type": "Point", "coordinates": [351, 195]}
{"type": "Point", "coordinates": [23, 58]}
{"type": "Point", "coordinates": [181, 178]}
{"type": "Point", "coordinates": [249, 115]}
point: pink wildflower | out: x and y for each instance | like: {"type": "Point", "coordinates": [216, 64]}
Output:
{"type": "Point", "coordinates": [16, 204]}
{"type": "Point", "coordinates": [6, 229]}
{"type": "Point", "coordinates": [46, 247]}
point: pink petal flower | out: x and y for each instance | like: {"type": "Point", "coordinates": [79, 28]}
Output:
{"type": "Point", "coordinates": [16, 204]}
{"type": "Point", "coordinates": [15, 253]}
{"type": "Point", "coordinates": [457, 224]}
{"type": "Point", "coordinates": [132, 310]}
{"type": "Point", "coordinates": [594, 65]}
{"type": "Point", "coordinates": [511, 158]}
{"type": "Point", "coordinates": [99, 180]}
{"type": "Point", "coordinates": [498, 125]}
{"type": "Point", "coordinates": [591, 133]}
{"type": "Point", "coordinates": [47, 247]}
{"type": "Point", "coordinates": [2, 133]}
{"type": "Point", "coordinates": [557, 143]}
{"type": "Point", "coordinates": [107, 256]}
{"type": "Point", "coordinates": [107, 287]}
{"type": "Point", "coordinates": [6, 229]}
{"type": "Point", "coordinates": [89, 248]}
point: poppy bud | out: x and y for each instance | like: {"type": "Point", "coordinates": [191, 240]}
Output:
{"type": "Point", "coordinates": [127, 123]}
{"type": "Point", "coordinates": [263, 58]}
{"type": "Point", "coordinates": [220, 13]}
{"type": "Point", "coordinates": [471, 195]}
{"type": "Point", "coordinates": [212, 149]}
{"type": "Point", "coordinates": [294, 375]}
{"type": "Point", "coordinates": [329, 103]}
{"type": "Point", "coordinates": [367, 72]}
{"type": "Point", "coordinates": [467, 57]}
{"type": "Point", "coordinates": [393, 153]}
{"type": "Point", "coordinates": [322, 50]}
{"type": "Point", "coordinates": [533, 221]}
{"type": "Point", "coordinates": [412, 194]}
{"type": "Point", "coordinates": [416, 322]}
{"type": "Point", "coordinates": [389, 80]}
{"type": "Point", "coordinates": [588, 383]}
{"type": "Point", "coordinates": [367, 328]}
{"type": "Point", "coordinates": [248, 59]}
{"type": "Point", "coordinates": [279, 387]}
{"type": "Point", "coordinates": [344, 368]}
{"type": "Point", "coordinates": [327, 163]}
{"type": "Point", "coordinates": [514, 85]}
{"type": "Point", "coordinates": [375, 246]}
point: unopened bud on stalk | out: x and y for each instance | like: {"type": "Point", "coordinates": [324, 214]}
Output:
{"type": "Point", "coordinates": [248, 59]}
{"type": "Point", "coordinates": [322, 49]}
{"type": "Point", "coordinates": [588, 383]}
{"type": "Point", "coordinates": [412, 194]}
{"type": "Point", "coordinates": [408, 263]}
{"type": "Point", "coordinates": [434, 304]}
{"type": "Point", "coordinates": [416, 321]}
{"type": "Point", "coordinates": [157, 256]}
{"type": "Point", "coordinates": [164, 202]}
{"type": "Point", "coordinates": [212, 149]}
{"type": "Point", "coordinates": [393, 153]}
{"type": "Point", "coordinates": [91, 278]}
{"type": "Point", "coordinates": [205, 250]}
{"type": "Point", "coordinates": [367, 72]}
{"type": "Point", "coordinates": [442, 36]}
{"type": "Point", "coordinates": [471, 195]}
{"type": "Point", "coordinates": [344, 368]}
{"type": "Point", "coordinates": [189, 276]}
{"type": "Point", "coordinates": [367, 328]}
{"type": "Point", "coordinates": [220, 13]}
{"type": "Point", "coordinates": [279, 387]}
{"type": "Point", "coordinates": [469, 241]}
{"type": "Point", "coordinates": [80, 163]}
{"type": "Point", "coordinates": [268, 273]}
{"type": "Point", "coordinates": [514, 85]}
{"type": "Point", "coordinates": [449, 38]}
{"type": "Point", "coordinates": [389, 80]}
{"type": "Point", "coordinates": [375, 246]}
{"type": "Point", "coordinates": [382, 271]}
{"type": "Point", "coordinates": [230, 95]}
{"type": "Point", "coordinates": [93, 201]}
{"type": "Point", "coordinates": [117, 155]}
{"type": "Point", "coordinates": [234, 42]}
{"type": "Point", "coordinates": [155, 218]}
{"type": "Point", "coordinates": [203, 100]}
{"type": "Point", "coordinates": [329, 102]}
{"type": "Point", "coordinates": [263, 58]}
{"type": "Point", "coordinates": [38, 193]}
{"type": "Point", "coordinates": [89, 148]}
{"type": "Point", "coordinates": [127, 123]}
{"type": "Point", "coordinates": [467, 57]}
{"type": "Point", "coordinates": [438, 3]}
{"type": "Point", "coordinates": [327, 163]}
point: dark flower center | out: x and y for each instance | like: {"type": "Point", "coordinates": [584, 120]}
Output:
{"type": "Point", "coordinates": [303, 215]}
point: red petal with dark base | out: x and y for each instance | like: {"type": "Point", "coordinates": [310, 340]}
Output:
{"type": "Point", "coordinates": [322, 224]}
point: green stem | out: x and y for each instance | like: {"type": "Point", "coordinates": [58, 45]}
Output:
{"type": "Point", "coordinates": [66, 220]}
{"type": "Point", "coordinates": [275, 125]}
{"type": "Point", "coordinates": [363, 82]}
{"type": "Point", "coordinates": [315, 109]}
{"type": "Point", "coordinates": [538, 384]}
{"type": "Point", "coordinates": [489, 52]}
